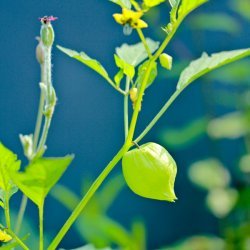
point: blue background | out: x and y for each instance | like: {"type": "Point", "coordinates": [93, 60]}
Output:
{"type": "Point", "coordinates": [88, 120]}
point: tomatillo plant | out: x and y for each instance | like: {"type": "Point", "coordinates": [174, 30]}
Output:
{"type": "Point", "coordinates": [149, 169]}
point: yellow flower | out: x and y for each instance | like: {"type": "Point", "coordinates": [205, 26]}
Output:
{"type": "Point", "coordinates": [4, 237]}
{"type": "Point", "coordinates": [130, 17]}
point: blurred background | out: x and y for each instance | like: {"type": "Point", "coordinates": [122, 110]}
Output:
{"type": "Point", "coordinates": [206, 130]}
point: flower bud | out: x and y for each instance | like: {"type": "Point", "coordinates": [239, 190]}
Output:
{"type": "Point", "coordinates": [4, 237]}
{"type": "Point", "coordinates": [150, 172]}
{"type": "Point", "coordinates": [166, 61]}
{"type": "Point", "coordinates": [39, 51]}
{"type": "Point", "coordinates": [27, 143]}
{"type": "Point", "coordinates": [133, 93]}
{"type": "Point", "coordinates": [47, 32]}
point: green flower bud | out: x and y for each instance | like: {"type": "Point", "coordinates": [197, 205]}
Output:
{"type": "Point", "coordinates": [150, 172]}
{"type": "Point", "coordinates": [47, 35]}
{"type": "Point", "coordinates": [133, 93]}
{"type": "Point", "coordinates": [166, 61]}
{"type": "Point", "coordinates": [39, 51]}
{"type": "Point", "coordinates": [27, 143]}
{"type": "Point", "coordinates": [47, 32]}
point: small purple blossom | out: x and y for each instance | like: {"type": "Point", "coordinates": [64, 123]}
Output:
{"type": "Point", "coordinates": [47, 19]}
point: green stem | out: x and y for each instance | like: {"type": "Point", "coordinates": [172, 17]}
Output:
{"type": "Point", "coordinates": [39, 120]}
{"type": "Point", "coordinates": [78, 210]}
{"type": "Point", "coordinates": [40, 209]}
{"type": "Point", "coordinates": [159, 115]}
{"type": "Point", "coordinates": [142, 37]}
{"type": "Point", "coordinates": [167, 39]}
{"type": "Point", "coordinates": [7, 210]}
{"type": "Point", "coordinates": [138, 104]}
{"type": "Point", "coordinates": [18, 240]}
{"type": "Point", "coordinates": [41, 146]}
{"type": "Point", "coordinates": [116, 88]}
{"type": "Point", "coordinates": [21, 213]}
{"type": "Point", "coordinates": [126, 122]}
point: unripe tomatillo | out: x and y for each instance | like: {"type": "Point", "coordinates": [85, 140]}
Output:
{"type": "Point", "coordinates": [150, 172]}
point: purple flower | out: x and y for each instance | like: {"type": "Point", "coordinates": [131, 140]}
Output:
{"type": "Point", "coordinates": [47, 19]}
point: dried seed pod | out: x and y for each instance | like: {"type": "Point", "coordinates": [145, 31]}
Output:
{"type": "Point", "coordinates": [150, 172]}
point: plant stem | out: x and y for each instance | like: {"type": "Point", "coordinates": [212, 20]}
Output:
{"type": "Point", "coordinates": [128, 143]}
{"type": "Point", "coordinates": [159, 115]}
{"type": "Point", "coordinates": [44, 135]}
{"type": "Point", "coordinates": [126, 122]}
{"type": "Point", "coordinates": [78, 210]}
{"type": "Point", "coordinates": [21, 213]}
{"type": "Point", "coordinates": [167, 40]}
{"type": "Point", "coordinates": [40, 209]}
{"type": "Point", "coordinates": [138, 103]}
{"type": "Point", "coordinates": [116, 88]}
{"type": "Point", "coordinates": [18, 240]}
{"type": "Point", "coordinates": [142, 37]}
{"type": "Point", "coordinates": [7, 210]}
{"type": "Point", "coordinates": [39, 120]}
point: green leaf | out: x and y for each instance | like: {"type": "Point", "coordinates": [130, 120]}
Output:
{"type": "Point", "coordinates": [110, 191]}
{"type": "Point", "coordinates": [188, 6]}
{"type": "Point", "coordinates": [40, 176]}
{"type": "Point", "coordinates": [85, 59]}
{"type": "Point", "coordinates": [69, 199]}
{"type": "Point", "coordinates": [103, 231]}
{"type": "Point", "coordinates": [8, 164]}
{"type": "Point", "coordinates": [173, 13]}
{"type": "Point", "coordinates": [150, 172]}
{"type": "Point", "coordinates": [209, 174]}
{"type": "Point", "coordinates": [221, 201]}
{"type": "Point", "coordinates": [152, 3]}
{"type": "Point", "coordinates": [241, 7]}
{"type": "Point", "coordinates": [118, 77]}
{"type": "Point", "coordinates": [233, 125]}
{"type": "Point", "coordinates": [89, 247]}
{"type": "Point", "coordinates": [206, 63]}
{"type": "Point", "coordinates": [123, 3]}
{"type": "Point", "coordinates": [139, 233]}
{"type": "Point", "coordinates": [173, 2]}
{"type": "Point", "coordinates": [128, 69]}
{"type": "Point", "coordinates": [215, 22]}
{"type": "Point", "coordinates": [244, 164]}
{"type": "Point", "coordinates": [141, 72]}
{"type": "Point", "coordinates": [235, 74]}
{"type": "Point", "coordinates": [135, 54]}
{"type": "Point", "coordinates": [182, 137]}
{"type": "Point", "coordinates": [198, 243]}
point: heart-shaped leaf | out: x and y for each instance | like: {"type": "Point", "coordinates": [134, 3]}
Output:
{"type": "Point", "coordinates": [127, 69]}
{"type": "Point", "coordinates": [123, 3]}
{"type": "Point", "coordinates": [136, 53]}
{"type": "Point", "coordinates": [206, 63]}
{"type": "Point", "coordinates": [152, 3]}
{"type": "Point", "coordinates": [8, 164]}
{"type": "Point", "coordinates": [40, 176]}
{"type": "Point", "coordinates": [88, 61]}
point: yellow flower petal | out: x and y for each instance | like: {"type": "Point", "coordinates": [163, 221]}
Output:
{"type": "Point", "coordinates": [139, 24]}
{"type": "Point", "coordinates": [4, 237]}
{"type": "Point", "coordinates": [119, 18]}
{"type": "Point", "coordinates": [131, 15]}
